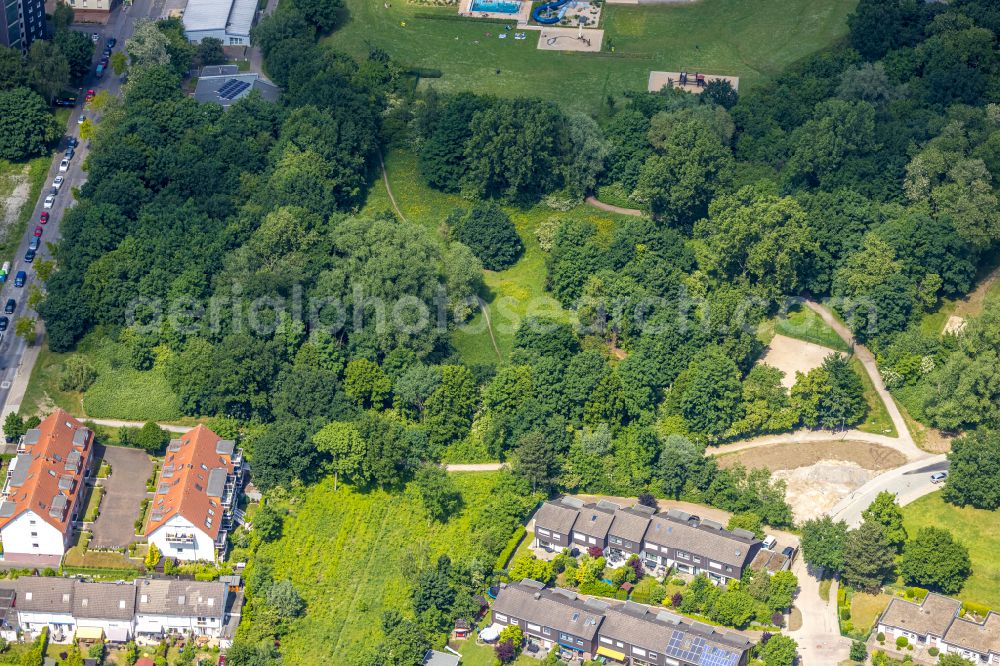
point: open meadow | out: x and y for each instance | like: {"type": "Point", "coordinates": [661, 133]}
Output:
{"type": "Point", "coordinates": [751, 39]}
{"type": "Point", "coordinates": [353, 555]}
{"type": "Point", "coordinates": [977, 530]}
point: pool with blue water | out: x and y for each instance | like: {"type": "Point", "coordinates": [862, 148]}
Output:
{"type": "Point", "coordinates": [495, 6]}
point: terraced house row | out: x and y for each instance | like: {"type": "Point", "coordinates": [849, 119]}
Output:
{"type": "Point", "coordinates": [618, 632]}
{"type": "Point", "coordinates": [670, 539]}
{"type": "Point", "coordinates": [937, 621]}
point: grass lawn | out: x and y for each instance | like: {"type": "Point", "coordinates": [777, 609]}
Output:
{"type": "Point", "coordinates": [866, 608]}
{"type": "Point", "coordinates": [751, 39]}
{"type": "Point", "coordinates": [878, 420]}
{"type": "Point", "coordinates": [510, 294]}
{"type": "Point", "coordinates": [352, 555]}
{"type": "Point", "coordinates": [802, 323]}
{"type": "Point", "coordinates": [93, 504]}
{"type": "Point", "coordinates": [118, 393]}
{"type": "Point", "coordinates": [978, 530]}
{"type": "Point", "coordinates": [824, 588]}
{"type": "Point", "coordinates": [483, 655]}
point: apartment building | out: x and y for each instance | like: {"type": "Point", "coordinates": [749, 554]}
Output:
{"type": "Point", "coordinates": [44, 491]}
{"type": "Point", "coordinates": [671, 539]}
{"type": "Point", "coordinates": [621, 633]}
{"type": "Point", "coordinates": [21, 23]}
{"type": "Point", "coordinates": [196, 492]}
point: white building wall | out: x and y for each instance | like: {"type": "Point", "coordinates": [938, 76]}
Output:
{"type": "Point", "coordinates": [106, 625]}
{"type": "Point", "coordinates": [30, 534]}
{"type": "Point", "coordinates": [227, 39]}
{"type": "Point", "coordinates": [202, 548]}
{"type": "Point", "coordinates": [166, 624]}
{"type": "Point", "coordinates": [34, 621]}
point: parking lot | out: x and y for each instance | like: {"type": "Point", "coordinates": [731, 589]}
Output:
{"type": "Point", "coordinates": [124, 491]}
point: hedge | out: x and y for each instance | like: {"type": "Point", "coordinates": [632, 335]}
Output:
{"type": "Point", "coordinates": [504, 557]}
{"type": "Point", "coordinates": [602, 589]}
{"type": "Point", "coordinates": [981, 610]}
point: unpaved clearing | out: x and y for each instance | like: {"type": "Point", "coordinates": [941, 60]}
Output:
{"type": "Point", "coordinates": [790, 356]}
{"type": "Point", "coordinates": [819, 474]}
{"type": "Point", "coordinates": [15, 189]}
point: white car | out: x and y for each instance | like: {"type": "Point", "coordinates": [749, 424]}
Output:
{"type": "Point", "coordinates": [49, 200]}
{"type": "Point", "coordinates": [64, 165]}
{"type": "Point", "coordinates": [95, 36]}
{"type": "Point", "coordinates": [939, 477]}
{"type": "Point", "coordinates": [58, 182]}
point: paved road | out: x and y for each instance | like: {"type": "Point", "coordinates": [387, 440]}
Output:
{"type": "Point", "coordinates": [124, 491]}
{"type": "Point", "coordinates": [15, 363]}
{"type": "Point", "coordinates": [909, 482]}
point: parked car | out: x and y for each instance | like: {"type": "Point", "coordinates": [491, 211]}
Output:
{"type": "Point", "coordinates": [788, 551]}
{"type": "Point", "coordinates": [10, 306]}
{"type": "Point", "coordinates": [53, 191]}
{"type": "Point", "coordinates": [49, 200]}
{"type": "Point", "coordinates": [44, 217]}
{"type": "Point", "coordinates": [769, 542]}
{"type": "Point", "coordinates": [34, 243]}
{"type": "Point", "coordinates": [58, 181]}
{"type": "Point", "coordinates": [64, 165]}
{"type": "Point", "coordinates": [100, 69]}
{"type": "Point", "coordinates": [111, 42]}
{"type": "Point", "coordinates": [69, 153]}
{"type": "Point", "coordinates": [938, 477]}
{"type": "Point", "coordinates": [72, 142]}
{"type": "Point", "coordinates": [79, 121]}
{"type": "Point", "coordinates": [4, 323]}
{"type": "Point", "coordinates": [20, 278]}
{"type": "Point", "coordinates": [29, 256]}
{"type": "Point", "coordinates": [38, 231]}
{"type": "Point", "coordinates": [90, 94]}
{"type": "Point", "coordinates": [65, 101]}
{"type": "Point", "coordinates": [95, 36]}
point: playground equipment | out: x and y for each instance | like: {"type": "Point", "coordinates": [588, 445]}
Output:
{"type": "Point", "coordinates": [551, 12]}
{"type": "Point", "coordinates": [699, 80]}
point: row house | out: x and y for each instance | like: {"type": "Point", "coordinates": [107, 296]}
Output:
{"type": "Point", "coordinates": [145, 610]}
{"type": "Point", "coordinates": [620, 633]}
{"type": "Point", "coordinates": [193, 508]}
{"type": "Point", "coordinates": [44, 491]}
{"type": "Point", "coordinates": [671, 539]}
{"type": "Point", "coordinates": [937, 622]}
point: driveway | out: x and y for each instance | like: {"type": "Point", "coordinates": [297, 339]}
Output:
{"type": "Point", "coordinates": [819, 639]}
{"type": "Point", "coordinates": [124, 491]}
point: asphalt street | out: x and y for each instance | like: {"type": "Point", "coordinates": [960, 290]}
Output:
{"type": "Point", "coordinates": [12, 348]}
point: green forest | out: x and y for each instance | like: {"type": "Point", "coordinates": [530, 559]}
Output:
{"type": "Point", "coordinates": [228, 250]}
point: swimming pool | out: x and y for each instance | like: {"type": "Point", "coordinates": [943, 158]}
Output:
{"type": "Point", "coordinates": [495, 6]}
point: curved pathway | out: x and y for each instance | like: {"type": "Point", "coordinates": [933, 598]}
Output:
{"type": "Point", "coordinates": [116, 423]}
{"type": "Point", "coordinates": [634, 212]}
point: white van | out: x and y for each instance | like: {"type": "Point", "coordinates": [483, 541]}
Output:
{"type": "Point", "coordinates": [770, 542]}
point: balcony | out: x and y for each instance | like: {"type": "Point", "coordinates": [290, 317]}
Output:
{"type": "Point", "coordinates": [175, 537]}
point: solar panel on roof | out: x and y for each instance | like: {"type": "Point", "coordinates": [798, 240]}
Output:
{"type": "Point", "coordinates": [714, 656]}
{"type": "Point", "coordinates": [232, 88]}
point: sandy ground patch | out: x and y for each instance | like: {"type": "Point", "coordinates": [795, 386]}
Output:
{"type": "Point", "coordinates": [12, 203]}
{"type": "Point", "coordinates": [659, 80]}
{"type": "Point", "coordinates": [790, 355]}
{"type": "Point", "coordinates": [955, 324]}
{"type": "Point", "coordinates": [568, 39]}
{"type": "Point", "coordinates": [819, 474]}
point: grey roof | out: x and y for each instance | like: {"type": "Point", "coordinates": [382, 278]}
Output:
{"type": "Point", "coordinates": [983, 638]}
{"type": "Point", "coordinates": [556, 517]}
{"type": "Point", "coordinates": [594, 521]}
{"type": "Point", "coordinates": [208, 88]}
{"type": "Point", "coordinates": [104, 601]}
{"type": "Point", "coordinates": [233, 16]}
{"type": "Point", "coordinates": [216, 482]}
{"type": "Point", "coordinates": [19, 468]}
{"type": "Point", "coordinates": [550, 608]}
{"type": "Point", "coordinates": [640, 625]}
{"type": "Point", "coordinates": [435, 658]}
{"type": "Point", "coordinates": [80, 437]}
{"type": "Point", "coordinates": [225, 447]}
{"type": "Point", "coordinates": [44, 594]}
{"type": "Point", "coordinates": [180, 598]}
{"type": "Point", "coordinates": [66, 482]}
{"type": "Point", "coordinates": [718, 544]}
{"type": "Point", "coordinates": [630, 525]}
{"type": "Point", "coordinates": [32, 436]}
{"type": "Point", "coordinates": [174, 445]}
{"type": "Point", "coordinates": [932, 616]}
{"type": "Point", "coordinates": [58, 507]}
{"type": "Point", "coordinates": [7, 509]}
{"type": "Point", "coordinates": [72, 461]}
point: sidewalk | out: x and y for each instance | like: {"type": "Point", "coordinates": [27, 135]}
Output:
{"type": "Point", "coordinates": [23, 374]}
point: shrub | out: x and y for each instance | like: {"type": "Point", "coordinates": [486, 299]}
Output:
{"type": "Point", "coordinates": [858, 651]}
{"type": "Point", "coordinates": [676, 599]}
{"type": "Point", "coordinates": [489, 233]}
{"type": "Point", "coordinates": [77, 374]}
{"type": "Point", "coordinates": [880, 637]}
{"type": "Point", "coordinates": [902, 642]}
{"type": "Point", "coordinates": [841, 596]}
{"type": "Point", "coordinates": [845, 613]}
{"type": "Point", "coordinates": [657, 594]}
{"type": "Point", "coordinates": [979, 609]}
{"type": "Point", "coordinates": [933, 651]}
{"type": "Point", "coordinates": [508, 550]}
{"type": "Point", "coordinates": [917, 593]}
{"type": "Point", "coordinates": [595, 552]}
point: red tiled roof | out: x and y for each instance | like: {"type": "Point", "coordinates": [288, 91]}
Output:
{"type": "Point", "coordinates": [182, 485]}
{"type": "Point", "coordinates": [48, 465]}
